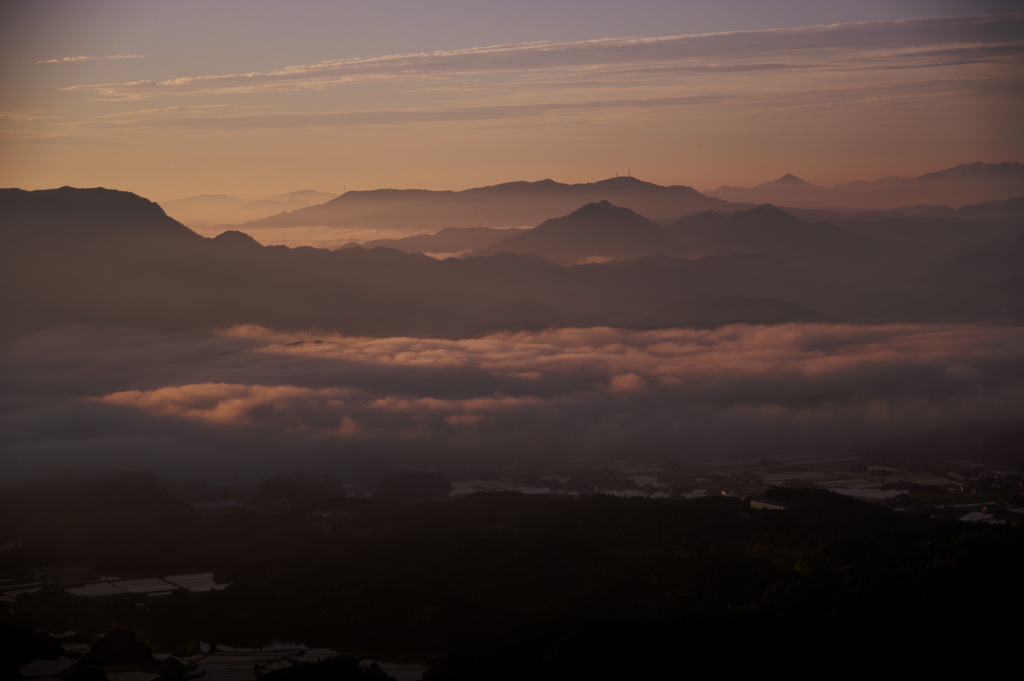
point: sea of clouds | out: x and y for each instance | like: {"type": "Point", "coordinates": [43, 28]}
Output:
{"type": "Point", "coordinates": [250, 398]}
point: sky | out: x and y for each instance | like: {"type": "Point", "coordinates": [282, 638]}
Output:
{"type": "Point", "coordinates": [172, 99]}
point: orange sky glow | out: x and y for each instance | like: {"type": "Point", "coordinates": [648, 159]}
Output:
{"type": "Point", "coordinates": [833, 102]}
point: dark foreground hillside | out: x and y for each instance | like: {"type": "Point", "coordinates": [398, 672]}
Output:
{"type": "Point", "coordinates": [504, 585]}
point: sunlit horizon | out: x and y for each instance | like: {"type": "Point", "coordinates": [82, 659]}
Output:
{"type": "Point", "coordinates": [407, 98]}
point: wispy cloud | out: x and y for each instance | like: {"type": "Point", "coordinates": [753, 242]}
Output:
{"type": "Point", "coordinates": [812, 46]}
{"type": "Point", "coordinates": [139, 113]}
{"type": "Point", "coordinates": [24, 116]}
{"type": "Point", "coordinates": [71, 59]}
{"type": "Point", "coordinates": [205, 118]}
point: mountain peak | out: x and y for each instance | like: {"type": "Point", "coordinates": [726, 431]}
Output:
{"type": "Point", "coordinates": [602, 211]}
{"type": "Point", "coordinates": [597, 230]}
{"type": "Point", "coordinates": [236, 239]}
{"type": "Point", "coordinates": [602, 207]}
{"type": "Point", "coordinates": [787, 181]}
{"type": "Point", "coordinates": [623, 181]}
{"type": "Point", "coordinates": [767, 208]}
{"type": "Point", "coordinates": [766, 213]}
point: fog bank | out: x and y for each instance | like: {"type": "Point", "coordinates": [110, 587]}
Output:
{"type": "Point", "coordinates": [253, 398]}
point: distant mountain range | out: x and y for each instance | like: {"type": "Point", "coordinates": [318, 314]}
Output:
{"type": "Point", "coordinates": [400, 213]}
{"type": "Point", "coordinates": [1007, 212]}
{"type": "Point", "coordinates": [513, 204]}
{"type": "Point", "coordinates": [100, 256]}
{"type": "Point", "coordinates": [938, 232]}
{"type": "Point", "coordinates": [210, 209]}
{"type": "Point", "coordinates": [599, 232]}
{"type": "Point", "coordinates": [958, 186]}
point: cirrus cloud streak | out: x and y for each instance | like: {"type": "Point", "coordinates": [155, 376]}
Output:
{"type": "Point", "coordinates": [75, 59]}
{"type": "Point", "coordinates": [898, 41]}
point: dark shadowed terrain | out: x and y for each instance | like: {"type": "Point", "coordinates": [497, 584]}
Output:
{"type": "Point", "coordinates": [749, 337]}
{"type": "Point", "coordinates": [511, 586]}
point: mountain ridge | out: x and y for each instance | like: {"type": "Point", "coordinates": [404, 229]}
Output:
{"type": "Point", "coordinates": [96, 256]}
{"type": "Point", "coordinates": [964, 184]}
{"type": "Point", "coordinates": [143, 273]}
{"type": "Point", "coordinates": [510, 204]}
{"type": "Point", "coordinates": [596, 230]}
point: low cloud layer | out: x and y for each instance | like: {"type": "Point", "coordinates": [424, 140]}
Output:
{"type": "Point", "coordinates": [252, 397]}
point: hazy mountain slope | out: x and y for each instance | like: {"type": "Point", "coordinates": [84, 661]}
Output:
{"type": "Point", "coordinates": [713, 310]}
{"type": "Point", "coordinates": [937, 238]}
{"type": "Point", "coordinates": [204, 202]}
{"type": "Point", "coordinates": [597, 230]}
{"type": "Point", "coordinates": [283, 202]}
{"type": "Point", "coordinates": [982, 285]}
{"type": "Point", "coordinates": [958, 186]}
{"type": "Point", "coordinates": [939, 232]}
{"type": "Point", "coordinates": [513, 204]}
{"type": "Point", "coordinates": [451, 240]}
{"type": "Point", "coordinates": [1010, 210]}
{"type": "Point", "coordinates": [210, 209]}
{"type": "Point", "coordinates": [998, 261]}
{"type": "Point", "coordinates": [820, 248]}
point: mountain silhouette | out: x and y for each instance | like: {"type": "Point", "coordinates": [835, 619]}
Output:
{"type": "Point", "coordinates": [998, 261]}
{"type": "Point", "coordinates": [981, 285]}
{"type": "Point", "coordinates": [59, 217]}
{"type": "Point", "coordinates": [512, 204]}
{"type": "Point", "coordinates": [234, 240]}
{"type": "Point", "coordinates": [957, 186]}
{"type": "Point", "coordinates": [104, 257]}
{"type": "Point", "coordinates": [206, 210]}
{"type": "Point", "coordinates": [821, 248]}
{"type": "Point", "coordinates": [289, 201]}
{"type": "Point", "coordinates": [788, 181]}
{"type": "Point", "coordinates": [597, 230]}
{"type": "Point", "coordinates": [974, 171]}
{"type": "Point", "coordinates": [97, 256]}
{"type": "Point", "coordinates": [1008, 211]}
